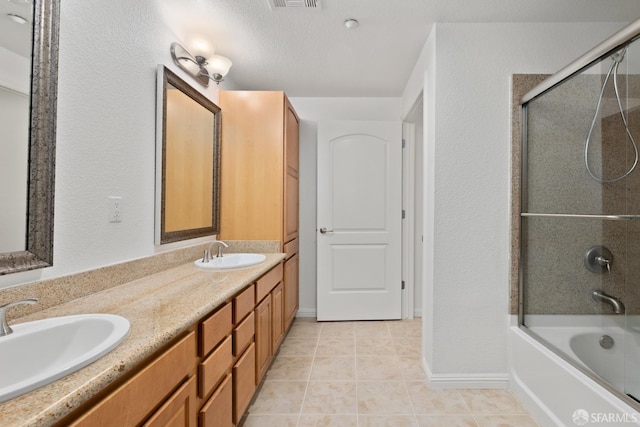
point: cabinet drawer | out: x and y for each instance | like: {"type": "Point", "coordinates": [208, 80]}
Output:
{"type": "Point", "coordinates": [244, 382]}
{"type": "Point", "coordinates": [268, 282]}
{"type": "Point", "coordinates": [291, 248]}
{"type": "Point", "coordinates": [243, 334]}
{"type": "Point", "coordinates": [147, 388]}
{"type": "Point", "coordinates": [217, 412]}
{"type": "Point", "coordinates": [179, 410]}
{"type": "Point", "coordinates": [214, 329]}
{"type": "Point", "coordinates": [243, 304]}
{"type": "Point", "coordinates": [214, 367]}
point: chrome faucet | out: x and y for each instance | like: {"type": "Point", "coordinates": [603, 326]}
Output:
{"type": "Point", "coordinates": [207, 253]}
{"type": "Point", "coordinates": [5, 329]}
{"type": "Point", "coordinates": [615, 303]}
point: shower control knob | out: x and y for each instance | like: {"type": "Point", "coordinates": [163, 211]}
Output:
{"type": "Point", "coordinates": [598, 259]}
{"type": "Point", "coordinates": [604, 262]}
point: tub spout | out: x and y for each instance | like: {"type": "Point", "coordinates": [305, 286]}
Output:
{"type": "Point", "coordinates": [615, 303]}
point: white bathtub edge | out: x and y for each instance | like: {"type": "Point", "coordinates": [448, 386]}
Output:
{"type": "Point", "coordinates": [553, 402]}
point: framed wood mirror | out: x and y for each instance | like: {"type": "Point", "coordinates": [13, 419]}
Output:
{"type": "Point", "coordinates": [187, 161]}
{"type": "Point", "coordinates": [36, 251]}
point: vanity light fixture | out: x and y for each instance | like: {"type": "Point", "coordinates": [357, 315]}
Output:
{"type": "Point", "coordinates": [202, 68]}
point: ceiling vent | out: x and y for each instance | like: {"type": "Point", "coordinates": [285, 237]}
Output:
{"type": "Point", "coordinates": [285, 4]}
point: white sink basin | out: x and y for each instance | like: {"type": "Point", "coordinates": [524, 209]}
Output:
{"type": "Point", "coordinates": [231, 261]}
{"type": "Point", "coordinates": [40, 352]}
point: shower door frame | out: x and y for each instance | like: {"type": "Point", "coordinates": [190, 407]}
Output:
{"type": "Point", "coordinates": [625, 36]}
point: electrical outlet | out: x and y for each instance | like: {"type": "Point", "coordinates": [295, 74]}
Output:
{"type": "Point", "coordinates": [115, 209]}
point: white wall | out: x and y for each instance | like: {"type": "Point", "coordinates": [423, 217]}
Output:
{"type": "Point", "coordinates": [109, 52]}
{"type": "Point", "coordinates": [310, 111]}
{"type": "Point", "coordinates": [467, 69]}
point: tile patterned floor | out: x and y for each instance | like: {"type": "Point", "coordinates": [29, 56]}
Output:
{"type": "Point", "coordinates": [368, 374]}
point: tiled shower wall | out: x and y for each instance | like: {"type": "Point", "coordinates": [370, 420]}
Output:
{"type": "Point", "coordinates": [557, 281]}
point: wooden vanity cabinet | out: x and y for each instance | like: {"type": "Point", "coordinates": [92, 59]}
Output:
{"type": "Point", "coordinates": [207, 377]}
{"type": "Point", "coordinates": [214, 369]}
{"type": "Point", "coordinates": [268, 289]}
{"type": "Point", "coordinates": [260, 176]}
{"type": "Point", "coordinates": [244, 351]}
{"type": "Point", "coordinates": [163, 392]}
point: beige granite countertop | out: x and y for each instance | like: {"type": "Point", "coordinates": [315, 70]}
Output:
{"type": "Point", "coordinates": [159, 307]}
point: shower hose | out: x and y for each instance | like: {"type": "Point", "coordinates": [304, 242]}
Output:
{"type": "Point", "coordinates": [617, 59]}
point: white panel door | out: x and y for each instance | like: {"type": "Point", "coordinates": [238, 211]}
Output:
{"type": "Point", "coordinates": [359, 220]}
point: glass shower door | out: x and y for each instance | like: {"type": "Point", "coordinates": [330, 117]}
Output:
{"type": "Point", "coordinates": [580, 290]}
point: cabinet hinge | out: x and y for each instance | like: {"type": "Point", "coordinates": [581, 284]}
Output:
{"type": "Point", "coordinates": [403, 284]}
{"type": "Point", "coordinates": [404, 213]}
{"type": "Point", "coordinates": [404, 143]}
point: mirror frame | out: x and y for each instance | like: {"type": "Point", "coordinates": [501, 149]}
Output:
{"type": "Point", "coordinates": [38, 251]}
{"type": "Point", "coordinates": [167, 77]}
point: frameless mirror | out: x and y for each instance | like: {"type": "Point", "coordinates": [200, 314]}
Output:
{"type": "Point", "coordinates": [28, 89]}
{"type": "Point", "coordinates": [187, 161]}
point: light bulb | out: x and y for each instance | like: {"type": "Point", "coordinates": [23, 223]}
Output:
{"type": "Point", "coordinates": [199, 46]}
{"type": "Point", "coordinates": [219, 65]}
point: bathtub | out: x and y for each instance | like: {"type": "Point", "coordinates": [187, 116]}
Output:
{"type": "Point", "coordinates": [556, 391]}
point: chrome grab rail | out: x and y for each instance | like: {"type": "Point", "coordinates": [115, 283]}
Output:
{"type": "Point", "coordinates": [584, 216]}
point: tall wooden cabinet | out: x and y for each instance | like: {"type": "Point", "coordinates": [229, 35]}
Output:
{"type": "Point", "coordinates": [259, 177]}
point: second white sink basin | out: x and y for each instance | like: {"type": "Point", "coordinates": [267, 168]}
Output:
{"type": "Point", "coordinates": [40, 352]}
{"type": "Point", "coordinates": [231, 261]}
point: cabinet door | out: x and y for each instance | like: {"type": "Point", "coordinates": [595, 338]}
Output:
{"type": "Point", "coordinates": [291, 174]}
{"type": "Point", "coordinates": [290, 290]}
{"type": "Point", "coordinates": [263, 337]}
{"type": "Point", "coordinates": [291, 139]}
{"type": "Point", "coordinates": [179, 410]}
{"type": "Point", "coordinates": [277, 317]}
{"type": "Point", "coordinates": [291, 207]}
{"type": "Point", "coordinates": [244, 382]}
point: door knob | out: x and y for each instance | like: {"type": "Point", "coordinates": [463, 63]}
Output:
{"type": "Point", "coordinates": [324, 230]}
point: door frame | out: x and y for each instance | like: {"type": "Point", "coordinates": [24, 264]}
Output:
{"type": "Point", "coordinates": [408, 204]}
{"type": "Point", "coordinates": [408, 185]}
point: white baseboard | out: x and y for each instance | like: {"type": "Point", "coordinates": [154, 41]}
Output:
{"type": "Point", "coordinates": [311, 312]}
{"type": "Point", "coordinates": [306, 312]}
{"type": "Point", "coordinates": [466, 381]}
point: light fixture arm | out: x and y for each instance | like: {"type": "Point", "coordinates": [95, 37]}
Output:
{"type": "Point", "coordinates": [216, 77]}
{"type": "Point", "coordinates": [199, 71]}
{"type": "Point", "coordinates": [182, 58]}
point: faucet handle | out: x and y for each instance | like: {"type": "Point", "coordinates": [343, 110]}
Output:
{"type": "Point", "coordinates": [604, 262]}
{"type": "Point", "coordinates": [5, 329]}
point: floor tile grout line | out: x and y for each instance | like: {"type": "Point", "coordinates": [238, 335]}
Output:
{"type": "Point", "coordinates": [306, 388]}
{"type": "Point", "coordinates": [413, 407]}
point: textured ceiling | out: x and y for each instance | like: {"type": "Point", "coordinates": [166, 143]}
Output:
{"type": "Point", "coordinates": [309, 52]}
